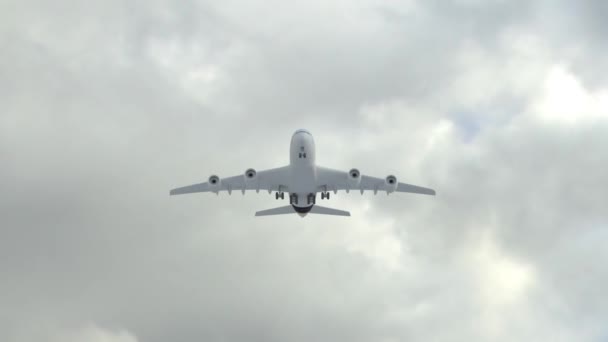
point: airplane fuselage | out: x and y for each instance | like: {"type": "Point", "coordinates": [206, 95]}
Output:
{"type": "Point", "coordinates": [302, 187]}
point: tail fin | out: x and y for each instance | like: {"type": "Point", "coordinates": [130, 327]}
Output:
{"type": "Point", "coordinates": [328, 211]}
{"type": "Point", "coordinates": [276, 211]}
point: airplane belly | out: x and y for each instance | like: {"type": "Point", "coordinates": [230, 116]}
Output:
{"type": "Point", "coordinates": [303, 181]}
{"type": "Point", "coordinates": [302, 185]}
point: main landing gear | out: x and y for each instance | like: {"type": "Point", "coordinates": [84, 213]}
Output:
{"type": "Point", "coordinates": [293, 198]}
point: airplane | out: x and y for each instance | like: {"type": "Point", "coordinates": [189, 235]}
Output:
{"type": "Point", "coordinates": [302, 179]}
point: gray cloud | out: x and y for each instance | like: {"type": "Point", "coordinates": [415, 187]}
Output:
{"type": "Point", "coordinates": [107, 106]}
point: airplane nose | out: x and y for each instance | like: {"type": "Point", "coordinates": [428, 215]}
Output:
{"type": "Point", "coordinates": [301, 131]}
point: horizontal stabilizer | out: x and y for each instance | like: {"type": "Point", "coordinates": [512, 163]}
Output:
{"type": "Point", "coordinates": [276, 211]}
{"type": "Point", "coordinates": [288, 209]}
{"type": "Point", "coordinates": [328, 211]}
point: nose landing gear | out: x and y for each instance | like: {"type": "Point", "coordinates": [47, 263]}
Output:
{"type": "Point", "coordinates": [325, 195]}
{"type": "Point", "coordinates": [280, 195]}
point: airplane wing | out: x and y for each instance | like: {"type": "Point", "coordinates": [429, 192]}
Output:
{"type": "Point", "coordinates": [269, 180]}
{"type": "Point", "coordinates": [334, 180]}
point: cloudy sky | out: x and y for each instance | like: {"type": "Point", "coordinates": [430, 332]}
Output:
{"type": "Point", "coordinates": [501, 106]}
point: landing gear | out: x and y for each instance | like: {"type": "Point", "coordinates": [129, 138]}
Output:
{"type": "Point", "coordinates": [293, 199]}
{"type": "Point", "coordinates": [312, 198]}
{"type": "Point", "coordinates": [280, 195]}
{"type": "Point", "coordinates": [325, 195]}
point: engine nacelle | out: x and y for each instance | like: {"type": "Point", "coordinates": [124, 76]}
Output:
{"type": "Point", "coordinates": [354, 178]}
{"type": "Point", "coordinates": [250, 176]}
{"type": "Point", "coordinates": [215, 183]}
{"type": "Point", "coordinates": [391, 183]}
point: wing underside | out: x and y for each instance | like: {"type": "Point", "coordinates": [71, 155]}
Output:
{"type": "Point", "coordinates": [334, 180]}
{"type": "Point", "coordinates": [268, 180]}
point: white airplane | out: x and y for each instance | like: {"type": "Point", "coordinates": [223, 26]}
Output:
{"type": "Point", "coordinates": [302, 179]}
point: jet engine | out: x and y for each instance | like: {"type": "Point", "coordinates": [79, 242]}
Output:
{"type": "Point", "coordinates": [215, 183]}
{"type": "Point", "coordinates": [391, 183]}
{"type": "Point", "coordinates": [354, 178]}
{"type": "Point", "coordinates": [250, 176]}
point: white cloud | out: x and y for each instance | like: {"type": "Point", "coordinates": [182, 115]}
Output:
{"type": "Point", "coordinates": [565, 100]}
{"type": "Point", "coordinates": [371, 236]}
{"type": "Point", "coordinates": [93, 333]}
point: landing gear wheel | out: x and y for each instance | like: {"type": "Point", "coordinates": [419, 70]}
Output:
{"type": "Point", "coordinates": [325, 195]}
{"type": "Point", "coordinates": [280, 195]}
